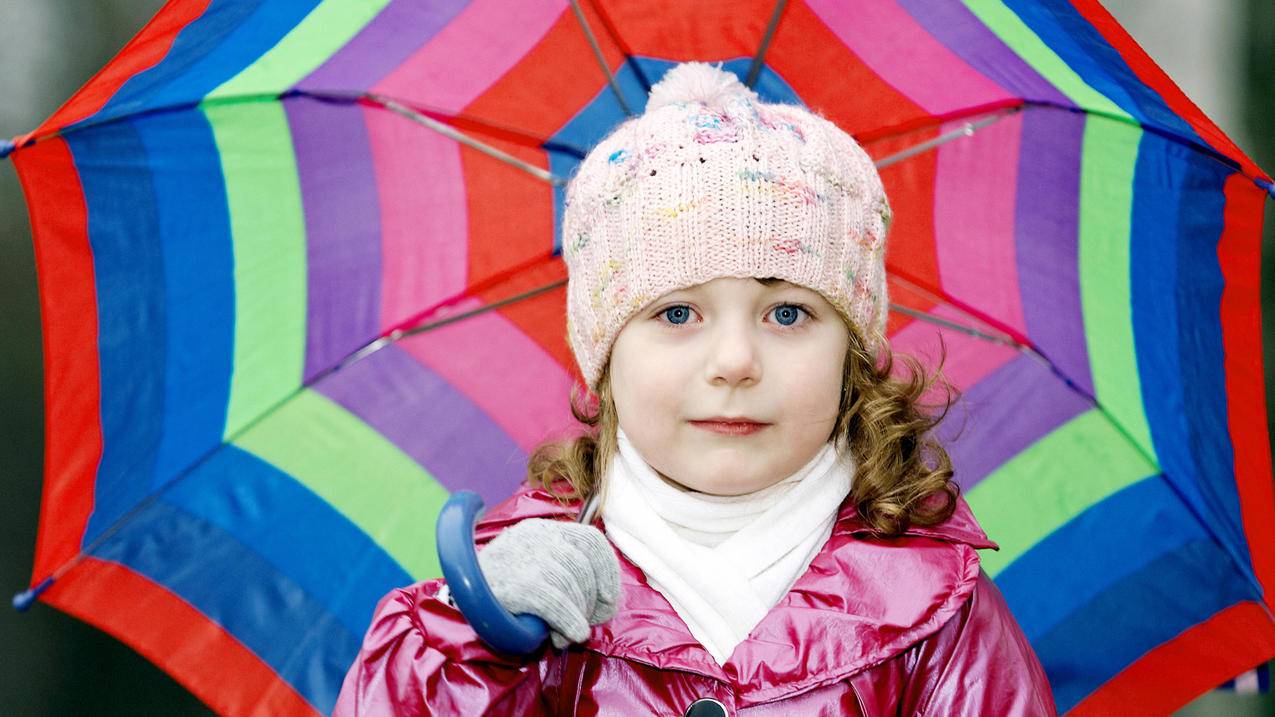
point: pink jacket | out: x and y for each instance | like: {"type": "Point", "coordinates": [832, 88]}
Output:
{"type": "Point", "coordinates": [903, 626]}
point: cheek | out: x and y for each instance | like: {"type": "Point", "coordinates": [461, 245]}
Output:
{"type": "Point", "coordinates": [644, 385]}
{"type": "Point", "coordinates": [644, 401]}
{"type": "Point", "coordinates": [813, 389]}
{"type": "Point", "coordinates": [648, 412]}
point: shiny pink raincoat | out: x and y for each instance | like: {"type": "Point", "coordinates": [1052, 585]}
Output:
{"type": "Point", "coordinates": [903, 626]}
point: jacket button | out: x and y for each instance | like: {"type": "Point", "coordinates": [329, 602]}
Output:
{"type": "Point", "coordinates": [706, 707]}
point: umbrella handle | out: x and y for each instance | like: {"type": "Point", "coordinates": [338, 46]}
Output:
{"type": "Point", "coordinates": [499, 628]}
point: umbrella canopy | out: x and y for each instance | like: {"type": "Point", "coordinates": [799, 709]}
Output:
{"type": "Point", "coordinates": [244, 221]}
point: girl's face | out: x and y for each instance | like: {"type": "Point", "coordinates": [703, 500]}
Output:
{"type": "Point", "coordinates": [768, 354]}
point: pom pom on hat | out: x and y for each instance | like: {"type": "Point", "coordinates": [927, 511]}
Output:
{"type": "Point", "coordinates": [698, 82]}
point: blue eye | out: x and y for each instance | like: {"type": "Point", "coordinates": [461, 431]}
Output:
{"type": "Point", "coordinates": [785, 315]}
{"type": "Point", "coordinates": [677, 314]}
{"type": "Point", "coordinates": [788, 314]}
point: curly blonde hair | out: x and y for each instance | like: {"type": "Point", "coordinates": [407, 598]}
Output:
{"type": "Point", "coordinates": [904, 474]}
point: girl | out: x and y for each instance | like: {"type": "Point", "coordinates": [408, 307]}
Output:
{"type": "Point", "coordinates": [778, 533]}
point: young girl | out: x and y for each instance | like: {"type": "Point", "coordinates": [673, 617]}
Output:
{"type": "Point", "coordinates": [778, 533]}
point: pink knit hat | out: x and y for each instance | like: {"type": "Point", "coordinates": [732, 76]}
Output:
{"type": "Point", "coordinates": [711, 182]}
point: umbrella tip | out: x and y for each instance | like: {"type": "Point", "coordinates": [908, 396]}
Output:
{"type": "Point", "coordinates": [6, 148]}
{"type": "Point", "coordinates": [22, 601]}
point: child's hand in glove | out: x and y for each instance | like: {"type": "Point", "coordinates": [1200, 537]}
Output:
{"type": "Point", "coordinates": [564, 573]}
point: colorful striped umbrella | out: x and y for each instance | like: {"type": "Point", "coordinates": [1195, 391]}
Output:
{"type": "Point", "coordinates": [245, 221]}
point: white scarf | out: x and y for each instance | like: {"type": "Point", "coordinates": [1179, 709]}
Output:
{"type": "Point", "coordinates": [723, 561]}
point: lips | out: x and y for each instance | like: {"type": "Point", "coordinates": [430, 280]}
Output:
{"type": "Point", "coordinates": [730, 426]}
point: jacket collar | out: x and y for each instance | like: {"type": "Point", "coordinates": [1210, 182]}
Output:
{"type": "Point", "coordinates": [863, 600]}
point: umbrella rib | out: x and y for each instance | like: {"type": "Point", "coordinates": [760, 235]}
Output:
{"type": "Point", "coordinates": [484, 126]}
{"type": "Point", "coordinates": [965, 130]}
{"type": "Point", "coordinates": [396, 334]}
{"type": "Point", "coordinates": [755, 68]}
{"type": "Point", "coordinates": [456, 121]}
{"type": "Point", "coordinates": [487, 284]}
{"type": "Point", "coordinates": [929, 122]}
{"type": "Point", "coordinates": [23, 600]}
{"type": "Point", "coordinates": [484, 309]}
{"type": "Point", "coordinates": [602, 60]}
{"type": "Point", "coordinates": [451, 133]}
{"type": "Point", "coordinates": [461, 121]}
{"type": "Point", "coordinates": [939, 296]}
{"type": "Point", "coordinates": [1153, 129]}
{"type": "Point", "coordinates": [609, 26]}
{"type": "Point", "coordinates": [956, 326]}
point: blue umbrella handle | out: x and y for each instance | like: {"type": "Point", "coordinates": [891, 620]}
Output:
{"type": "Point", "coordinates": [499, 628]}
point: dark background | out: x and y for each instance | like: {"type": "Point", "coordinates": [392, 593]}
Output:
{"type": "Point", "coordinates": [1222, 52]}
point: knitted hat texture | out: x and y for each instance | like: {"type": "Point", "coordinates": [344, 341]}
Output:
{"type": "Point", "coordinates": [711, 182]}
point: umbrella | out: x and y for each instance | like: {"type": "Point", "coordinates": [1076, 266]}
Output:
{"type": "Point", "coordinates": [300, 280]}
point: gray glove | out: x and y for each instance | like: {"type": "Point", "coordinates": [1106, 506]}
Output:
{"type": "Point", "coordinates": [564, 573]}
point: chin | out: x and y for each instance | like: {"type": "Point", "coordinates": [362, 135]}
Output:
{"type": "Point", "coordinates": [715, 472]}
{"type": "Point", "coordinates": [728, 484]}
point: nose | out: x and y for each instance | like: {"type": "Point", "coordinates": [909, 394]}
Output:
{"type": "Point", "coordinates": [734, 358]}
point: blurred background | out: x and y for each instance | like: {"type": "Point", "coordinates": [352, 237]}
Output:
{"type": "Point", "coordinates": [1221, 52]}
